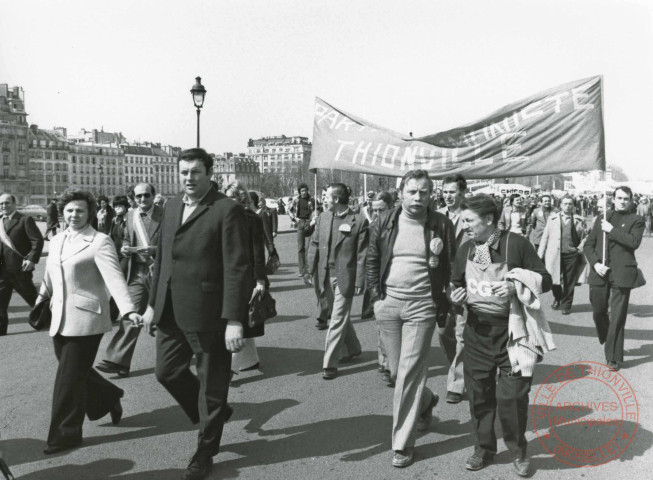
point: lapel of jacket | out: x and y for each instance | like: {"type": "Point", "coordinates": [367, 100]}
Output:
{"type": "Point", "coordinates": [155, 222]}
{"type": "Point", "coordinates": [325, 228]}
{"type": "Point", "coordinates": [349, 220]}
{"type": "Point", "coordinates": [12, 222]}
{"type": "Point", "coordinates": [208, 199]}
{"type": "Point", "coordinates": [81, 243]}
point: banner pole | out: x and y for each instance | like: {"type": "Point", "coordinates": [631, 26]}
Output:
{"type": "Point", "coordinates": [315, 190]}
{"type": "Point", "coordinates": [365, 186]}
{"type": "Point", "coordinates": [605, 217]}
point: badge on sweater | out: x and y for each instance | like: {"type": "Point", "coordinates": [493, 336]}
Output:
{"type": "Point", "coordinates": [436, 246]}
{"type": "Point", "coordinates": [345, 228]}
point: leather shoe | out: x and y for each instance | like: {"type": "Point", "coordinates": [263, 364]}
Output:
{"type": "Point", "coordinates": [198, 468]}
{"type": "Point", "coordinates": [109, 367]}
{"type": "Point", "coordinates": [320, 325]}
{"type": "Point", "coordinates": [402, 458]}
{"type": "Point", "coordinates": [453, 397]}
{"type": "Point", "coordinates": [566, 311]}
{"type": "Point", "coordinates": [425, 418]}
{"type": "Point", "coordinates": [116, 413]}
{"type": "Point", "coordinates": [555, 305]}
{"type": "Point", "coordinates": [522, 466]}
{"type": "Point", "coordinates": [613, 366]}
{"type": "Point", "coordinates": [52, 449]}
{"type": "Point", "coordinates": [367, 314]}
{"type": "Point", "coordinates": [330, 373]}
{"type": "Point", "coordinates": [478, 462]}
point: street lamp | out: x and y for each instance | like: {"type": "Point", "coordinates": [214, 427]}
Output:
{"type": "Point", "coordinates": [198, 92]}
{"type": "Point", "coordinates": [100, 169]}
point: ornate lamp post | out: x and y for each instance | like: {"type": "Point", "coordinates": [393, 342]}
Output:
{"type": "Point", "coordinates": [199, 92]}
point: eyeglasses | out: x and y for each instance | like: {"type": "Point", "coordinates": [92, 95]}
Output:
{"type": "Point", "coordinates": [143, 195]}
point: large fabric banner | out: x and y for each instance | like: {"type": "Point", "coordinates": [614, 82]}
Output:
{"type": "Point", "coordinates": [555, 131]}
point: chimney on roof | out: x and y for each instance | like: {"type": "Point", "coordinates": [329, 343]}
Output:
{"type": "Point", "coordinates": [34, 128]}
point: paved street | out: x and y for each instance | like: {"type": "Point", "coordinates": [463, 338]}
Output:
{"type": "Point", "coordinates": [291, 424]}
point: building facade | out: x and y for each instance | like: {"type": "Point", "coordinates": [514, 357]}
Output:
{"type": "Point", "coordinates": [153, 164]}
{"type": "Point", "coordinates": [48, 164]}
{"type": "Point", "coordinates": [230, 167]}
{"type": "Point", "coordinates": [97, 168]}
{"type": "Point", "coordinates": [14, 164]}
{"type": "Point", "coordinates": [280, 154]}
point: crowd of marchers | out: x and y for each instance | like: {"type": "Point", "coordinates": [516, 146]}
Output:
{"type": "Point", "coordinates": [471, 267]}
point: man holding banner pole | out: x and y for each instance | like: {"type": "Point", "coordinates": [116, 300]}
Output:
{"type": "Point", "coordinates": [610, 250]}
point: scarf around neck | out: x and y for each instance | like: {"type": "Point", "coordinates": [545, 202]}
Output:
{"type": "Point", "coordinates": [482, 254]}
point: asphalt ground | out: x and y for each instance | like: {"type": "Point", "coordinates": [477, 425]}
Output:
{"type": "Point", "coordinates": [289, 423]}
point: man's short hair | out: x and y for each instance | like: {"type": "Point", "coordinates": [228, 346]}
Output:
{"type": "Point", "coordinates": [546, 195]}
{"type": "Point", "coordinates": [513, 196]}
{"type": "Point", "coordinates": [71, 195]}
{"type": "Point", "coordinates": [417, 175]}
{"type": "Point", "coordinates": [152, 189]}
{"type": "Point", "coordinates": [625, 189]}
{"type": "Point", "coordinates": [564, 197]}
{"type": "Point", "coordinates": [385, 197]}
{"type": "Point", "coordinates": [341, 191]}
{"type": "Point", "coordinates": [120, 200]}
{"type": "Point", "coordinates": [482, 204]}
{"type": "Point", "coordinates": [103, 197]}
{"type": "Point", "coordinates": [458, 180]}
{"type": "Point", "coordinates": [13, 199]}
{"type": "Point", "coordinates": [300, 186]}
{"type": "Point", "coordinates": [197, 154]}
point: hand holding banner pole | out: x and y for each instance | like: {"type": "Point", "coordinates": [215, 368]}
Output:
{"type": "Point", "coordinates": [605, 218]}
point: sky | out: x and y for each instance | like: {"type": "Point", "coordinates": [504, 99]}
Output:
{"type": "Point", "coordinates": [412, 66]}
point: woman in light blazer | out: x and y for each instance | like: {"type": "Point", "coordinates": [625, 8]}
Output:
{"type": "Point", "coordinates": [82, 273]}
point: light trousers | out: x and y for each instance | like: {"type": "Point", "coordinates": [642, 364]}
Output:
{"type": "Point", "coordinates": [407, 328]}
{"type": "Point", "coordinates": [341, 339]}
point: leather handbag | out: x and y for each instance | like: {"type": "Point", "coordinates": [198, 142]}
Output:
{"type": "Point", "coordinates": [273, 264]}
{"type": "Point", "coordinates": [40, 317]}
{"type": "Point", "coordinates": [261, 308]}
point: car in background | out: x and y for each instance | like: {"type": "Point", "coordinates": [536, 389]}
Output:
{"type": "Point", "coordinates": [37, 212]}
{"type": "Point", "coordinates": [272, 203]}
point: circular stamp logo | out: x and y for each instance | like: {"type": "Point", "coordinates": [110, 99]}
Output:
{"type": "Point", "coordinates": [585, 414]}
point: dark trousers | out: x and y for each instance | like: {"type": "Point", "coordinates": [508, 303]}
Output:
{"type": "Point", "coordinates": [610, 328]}
{"type": "Point", "coordinates": [10, 281]}
{"type": "Point", "coordinates": [303, 226]}
{"type": "Point", "coordinates": [78, 389]}
{"type": "Point", "coordinates": [121, 348]}
{"type": "Point", "coordinates": [203, 397]}
{"type": "Point", "coordinates": [484, 352]}
{"type": "Point", "coordinates": [565, 293]}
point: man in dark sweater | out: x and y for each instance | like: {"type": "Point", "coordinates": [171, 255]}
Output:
{"type": "Point", "coordinates": [300, 212]}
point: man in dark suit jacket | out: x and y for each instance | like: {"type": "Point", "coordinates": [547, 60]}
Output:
{"type": "Point", "coordinates": [337, 250]}
{"type": "Point", "coordinates": [21, 244]}
{"type": "Point", "coordinates": [139, 241]}
{"type": "Point", "coordinates": [613, 279]}
{"type": "Point", "coordinates": [200, 290]}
